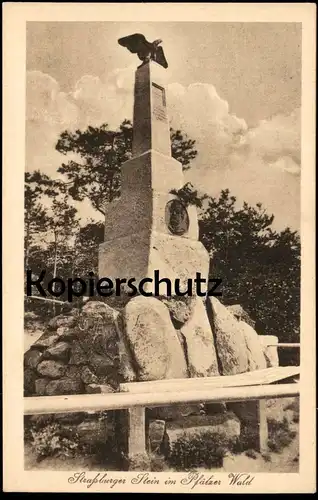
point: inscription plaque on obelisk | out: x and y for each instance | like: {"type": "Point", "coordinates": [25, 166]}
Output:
{"type": "Point", "coordinates": [159, 103]}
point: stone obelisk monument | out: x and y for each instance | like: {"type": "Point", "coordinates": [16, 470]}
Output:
{"type": "Point", "coordinates": [149, 228]}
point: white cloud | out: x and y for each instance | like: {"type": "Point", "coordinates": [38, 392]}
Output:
{"type": "Point", "coordinates": [199, 110]}
{"type": "Point", "coordinates": [279, 136]}
{"type": "Point", "coordinates": [255, 164]}
{"type": "Point", "coordinates": [287, 164]}
{"type": "Point", "coordinates": [46, 103]}
{"type": "Point", "coordinates": [99, 102]}
{"type": "Point", "coordinates": [48, 112]}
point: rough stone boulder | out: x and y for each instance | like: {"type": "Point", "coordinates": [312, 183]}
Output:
{"type": "Point", "coordinates": [95, 432]}
{"type": "Point", "coordinates": [29, 382]}
{"type": "Point", "coordinates": [109, 339]}
{"type": "Point", "coordinates": [60, 351]}
{"type": "Point", "coordinates": [153, 341]}
{"type": "Point", "coordinates": [63, 321]}
{"type": "Point", "coordinates": [181, 308]}
{"type": "Point", "coordinates": [48, 339]}
{"type": "Point", "coordinates": [255, 354]}
{"type": "Point", "coordinates": [32, 358]}
{"type": "Point", "coordinates": [238, 346]}
{"type": "Point", "coordinates": [241, 314]}
{"type": "Point", "coordinates": [199, 343]}
{"type": "Point", "coordinates": [229, 340]}
{"type": "Point", "coordinates": [224, 424]}
{"type": "Point", "coordinates": [175, 412]}
{"type": "Point", "coordinates": [64, 386]}
{"type": "Point", "coordinates": [156, 433]}
{"type": "Point", "coordinates": [51, 369]}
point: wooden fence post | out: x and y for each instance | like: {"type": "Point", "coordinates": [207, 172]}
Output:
{"type": "Point", "coordinates": [252, 414]}
{"type": "Point", "coordinates": [137, 431]}
{"type": "Point", "coordinates": [263, 427]}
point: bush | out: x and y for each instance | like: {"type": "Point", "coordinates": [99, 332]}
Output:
{"type": "Point", "coordinates": [206, 449]}
{"type": "Point", "coordinates": [53, 440]}
{"type": "Point", "coordinates": [279, 435]}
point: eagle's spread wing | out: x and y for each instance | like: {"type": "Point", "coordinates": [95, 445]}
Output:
{"type": "Point", "coordinates": [160, 57]}
{"type": "Point", "coordinates": [134, 43]}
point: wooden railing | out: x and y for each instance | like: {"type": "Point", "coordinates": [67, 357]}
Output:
{"type": "Point", "coordinates": [136, 402]}
{"type": "Point", "coordinates": [41, 405]}
{"type": "Point", "coordinates": [294, 345]}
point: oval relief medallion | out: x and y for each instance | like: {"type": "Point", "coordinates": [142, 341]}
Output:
{"type": "Point", "coordinates": [177, 218]}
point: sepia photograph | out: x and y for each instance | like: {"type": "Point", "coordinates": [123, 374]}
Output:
{"type": "Point", "coordinates": [163, 248]}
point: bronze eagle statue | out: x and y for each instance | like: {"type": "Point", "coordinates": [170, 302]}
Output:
{"type": "Point", "coordinates": [146, 51]}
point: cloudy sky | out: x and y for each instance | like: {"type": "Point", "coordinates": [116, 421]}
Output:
{"type": "Point", "coordinates": [234, 87]}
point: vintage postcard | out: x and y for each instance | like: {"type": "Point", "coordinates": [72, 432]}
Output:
{"type": "Point", "coordinates": [159, 292]}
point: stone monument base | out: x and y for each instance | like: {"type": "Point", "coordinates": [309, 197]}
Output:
{"type": "Point", "coordinates": [140, 255]}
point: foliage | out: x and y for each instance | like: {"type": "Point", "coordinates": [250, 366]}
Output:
{"type": "Point", "coordinates": [35, 218]}
{"type": "Point", "coordinates": [259, 267]}
{"type": "Point", "coordinates": [279, 434]}
{"type": "Point", "coordinates": [206, 449]}
{"type": "Point", "coordinates": [74, 258]}
{"type": "Point", "coordinates": [182, 148]}
{"type": "Point", "coordinates": [101, 152]}
{"type": "Point", "coordinates": [50, 225]}
{"type": "Point", "coordinates": [53, 440]}
{"type": "Point", "coordinates": [189, 196]}
{"type": "Point", "coordinates": [62, 226]}
{"type": "Point", "coordinates": [85, 255]}
{"type": "Point", "coordinates": [48, 213]}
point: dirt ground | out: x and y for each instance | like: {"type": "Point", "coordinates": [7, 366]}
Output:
{"type": "Point", "coordinates": [60, 463]}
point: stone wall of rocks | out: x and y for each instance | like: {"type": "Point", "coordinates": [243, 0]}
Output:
{"type": "Point", "coordinates": [80, 352]}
